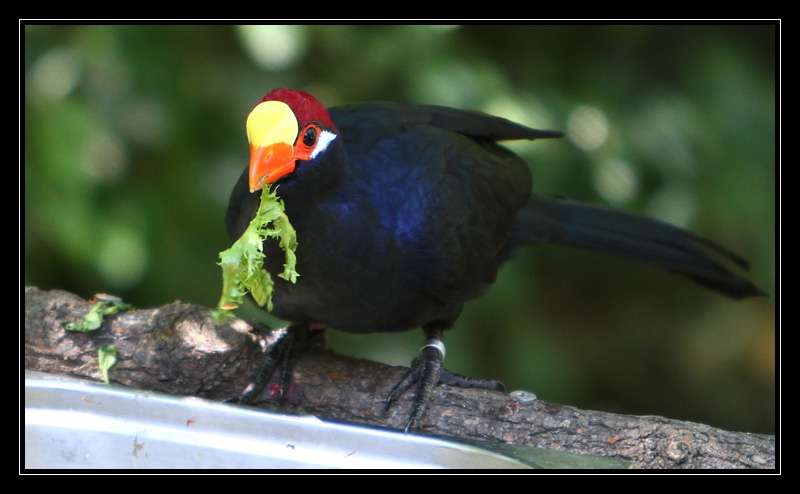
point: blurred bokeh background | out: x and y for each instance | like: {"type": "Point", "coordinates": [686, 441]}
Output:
{"type": "Point", "coordinates": [134, 137]}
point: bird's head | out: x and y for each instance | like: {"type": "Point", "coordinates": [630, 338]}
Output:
{"type": "Point", "coordinates": [285, 127]}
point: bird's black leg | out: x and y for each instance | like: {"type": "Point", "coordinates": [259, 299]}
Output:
{"type": "Point", "coordinates": [279, 355]}
{"type": "Point", "coordinates": [427, 371]}
{"type": "Point", "coordinates": [275, 355]}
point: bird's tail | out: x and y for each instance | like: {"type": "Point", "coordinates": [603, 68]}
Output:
{"type": "Point", "coordinates": [560, 221]}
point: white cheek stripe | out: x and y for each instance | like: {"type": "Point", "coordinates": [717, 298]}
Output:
{"type": "Point", "coordinates": [325, 138]}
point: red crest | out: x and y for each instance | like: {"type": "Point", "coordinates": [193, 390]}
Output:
{"type": "Point", "coordinates": [305, 107]}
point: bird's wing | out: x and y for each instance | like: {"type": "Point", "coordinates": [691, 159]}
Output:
{"type": "Point", "coordinates": [463, 189]}
{"type": "Point", "coordinates": [356, 122]}
{"type": "Point", "coordinates": [480, 125]}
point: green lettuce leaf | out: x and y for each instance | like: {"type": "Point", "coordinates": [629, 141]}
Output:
{"type": "Point", "coordinates": [94, 318]}
{"type": "Point", "coordinates": [106, 358]}
{"type": "Point", "coordinates": [243, 263]}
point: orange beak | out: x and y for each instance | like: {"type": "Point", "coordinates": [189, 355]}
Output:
{"type": "Point", "coordinates": [269, 164]}
{"type": "Point", "coordinates": [271, 129]}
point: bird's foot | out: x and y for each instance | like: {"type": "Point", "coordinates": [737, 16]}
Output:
{"type": "Point", "coordinates": [427, 371]}
{"type": "Point", "coordinates": [280, 345]}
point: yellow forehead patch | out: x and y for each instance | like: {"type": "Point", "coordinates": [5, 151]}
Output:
{"type": "Point", "coordinates": [271, 122]}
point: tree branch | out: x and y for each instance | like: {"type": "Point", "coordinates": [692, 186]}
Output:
{"type": "Point", "coordinates": [178, 349]}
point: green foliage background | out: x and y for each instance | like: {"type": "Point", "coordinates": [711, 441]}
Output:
{"type": "Point", "coordinates": [134, 137]}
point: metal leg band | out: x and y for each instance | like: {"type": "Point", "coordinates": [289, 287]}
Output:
{"type": "Point", "coordinates": [437, 344]}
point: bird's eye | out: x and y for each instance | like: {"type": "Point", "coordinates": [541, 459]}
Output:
{"type": "Point", "coordinates": [310, 136]}
{"type": "Point", "coordinates": [311, 141]}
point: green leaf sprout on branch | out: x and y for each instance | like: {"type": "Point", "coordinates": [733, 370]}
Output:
{"type": "Point", "coordinates": [106, 358]}
{"type": "Point", "coordinates": [94, 318]}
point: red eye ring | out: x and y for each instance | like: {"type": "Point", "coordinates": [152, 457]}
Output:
{"type": "Point", "coordinates": [302, 148]}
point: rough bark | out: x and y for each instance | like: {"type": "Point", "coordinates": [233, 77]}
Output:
{"type": "Point", "coordinates": [178, 349]}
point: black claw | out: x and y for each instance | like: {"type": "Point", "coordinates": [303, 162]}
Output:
{"type": "Point", "coordinates": [286, 365]}
{"type": "Point", "coordinates": [453, 379]}
{"type": "Point", "coordinates": [432, 361]}
{"type": "Point", "coordinates": [279, 356]}
{"type": "Point", "coordinates": [427, 372]}
{"type": "Point", "coordinates": [272, 361]}
{"type": "Point", "coordinates": [409, 378]}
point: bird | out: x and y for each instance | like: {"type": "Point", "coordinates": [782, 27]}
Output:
{"type": "Point", "coordinates": [405, 212]}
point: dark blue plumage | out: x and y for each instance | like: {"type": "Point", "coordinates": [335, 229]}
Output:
{"type": "Point", "coordinates": [411, 210]}
{"type": "Point", "coordinates": [400, 220]}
